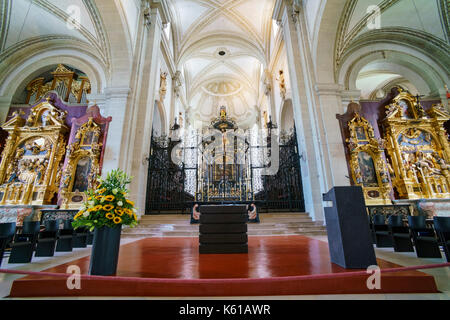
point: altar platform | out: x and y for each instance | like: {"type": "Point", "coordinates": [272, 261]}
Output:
{"type": "Point", "coordinates": [174, 268]}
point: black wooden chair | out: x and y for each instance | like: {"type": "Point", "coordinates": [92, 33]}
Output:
{"type": "Point", "coordinates": [46, 242]}
{"type": "Point", "coordinates": [24, 243]}
{"type": "Point", "coordinates": [382, 235]}
{"type": "Point", "coordinates": [442, 227]}
{"type": "Point", "coordinates": [80, 237]}
{"type": "Point", "coordinates": [65, 238]}
{"type": "Point", "coordinates": [372, 231]}
{"type": "Point", "coordinates": [401, 237]}
{"type": "Point", "coordinates": [424, 238]}
{"type": "Point", "coordinates": [7, 231]}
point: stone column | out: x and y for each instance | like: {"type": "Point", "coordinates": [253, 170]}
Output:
{"type": "Point", "coordinates": [114, 105]}
{"type": "Point", "coordinates": [303, 105]}
{"type": "Point", "coordinates": [315, 108]}
{"type": "Point", "coordinates": [331, 141]}
{"type": "Point", "coordinates": [142, 104]}
{"type": "Point", "coordinates": [5, 104]}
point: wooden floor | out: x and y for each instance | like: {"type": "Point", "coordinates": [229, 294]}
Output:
{"type": "Point", "coordinates": [176, 267]}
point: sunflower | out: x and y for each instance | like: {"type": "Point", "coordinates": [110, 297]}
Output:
{"type": "Point", "coordinates": [108, 207]}
{"type": "Point", "coordinates": [128, 212]}
{"type": "Point", "coordinates": [117, 220]}
{"type": "Point", "coordinates": [78, 215]}
{"type": "Point", "coordinates": [134, 216]}
{"type": "Point", "coordinates": [99, 198]}
{"type": "Point", "coordinates": [101, 191]}
{"type": "Point", "coordinates": [119, 212]}
{"type": "Point", "coordinates": [109, 216]}
{"type": "Point", "coordinates": [130, 202]}
{"type": "Point", "coordinates": [109, 198]}
{"type": "Point", "coordinates": [98, 207]}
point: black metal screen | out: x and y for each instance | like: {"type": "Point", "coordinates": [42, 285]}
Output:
{"type": "Point", "coordinates": [166, 180]}
{"type": "Point", "coordinates": [172, 187]}
{"type": "Point", "coordinates": [284, 190]}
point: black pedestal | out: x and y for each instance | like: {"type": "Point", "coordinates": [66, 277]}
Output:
{"type": "Point", "coordinates": [349, 236]}
{"type": "Point", "coordinates": [223, 229]}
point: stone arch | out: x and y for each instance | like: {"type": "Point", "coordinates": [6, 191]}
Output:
{"type": "Point", "coordinates": [287, 115]}
{"type": "Point", "coordinates": [412, 64]}
{"type": "Point", "coordinates": [23, 70]}
{"type": "Point", "coordinates": [159, 119]}
{"type": "Point", "coordinates": [328, 21]}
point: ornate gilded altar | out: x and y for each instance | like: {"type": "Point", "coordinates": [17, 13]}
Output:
{"type": "Point", "coordinates": [29, 170]}
{"type": "Point", "coordinates": [367, 163]}
{"type": "Point", "coordinates": [83, 158]}
{"type": "Point", "coordinates": [418, 148]}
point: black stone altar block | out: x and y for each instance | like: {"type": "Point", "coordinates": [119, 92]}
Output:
{"type": "Point", "coordinates": [349, 237]}
{"type": "Point", "coordinates": [223, 229]}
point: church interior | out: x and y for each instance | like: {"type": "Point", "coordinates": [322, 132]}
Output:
{"type": "Point", "coordinates": [273, 146]}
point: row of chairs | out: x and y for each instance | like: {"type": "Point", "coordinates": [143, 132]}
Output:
{"type": "Point", "coordinates": [403, 238]}
{"type": "Point", "coordinates": [43, 242]}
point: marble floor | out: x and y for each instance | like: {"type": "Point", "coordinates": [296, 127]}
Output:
{"type": "Point", "coordinates": [442, 277]}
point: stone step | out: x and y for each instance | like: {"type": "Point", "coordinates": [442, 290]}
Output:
{"type": "Point", "coordinates": [178, 225]}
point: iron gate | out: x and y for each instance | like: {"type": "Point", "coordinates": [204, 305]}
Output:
{"type": "Point", "coordinates": [174, 188]}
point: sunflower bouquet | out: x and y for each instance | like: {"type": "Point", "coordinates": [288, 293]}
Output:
{"type": "Point", "coordinates": [107, 204]}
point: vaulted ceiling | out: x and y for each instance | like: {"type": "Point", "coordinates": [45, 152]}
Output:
{"type": "Point", "coordinates": [221, 47]}
{"type": "Point", "coordinates": [27, 22]}
{"type": "Point", "coordinates": [420, 24]}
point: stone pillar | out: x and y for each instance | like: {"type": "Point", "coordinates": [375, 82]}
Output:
{"type": "Point", "coordinates": [331, 141]}
{"type": "Point", "coordinates": [315, 108]}
{"type": "Point", "coordinates": [114, 105]}
{"type": "Point", "coordinates": [303, 105]}
{"type": "Point", "coordinates": [142, 104]}
{"type": "Point", "coordinates": [5, 104]}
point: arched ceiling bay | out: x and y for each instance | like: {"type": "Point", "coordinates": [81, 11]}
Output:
{"type": "Point", "coordinates": [221, 47]}
{"type": "Point", "coordinates": [24, 22]}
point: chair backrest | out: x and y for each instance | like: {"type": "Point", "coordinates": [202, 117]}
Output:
{"type": "Point", "coordinates": [7, 229]}
{"type": "Point", "coordinates": [68, 224]}
{"type": "Point", "coordinates": [396, 221]}
{"type": "Point", "coordinates": [417, 222]}
{"type": "Point", "coordinates": [51, 225]}
{"type": "Point", "coordinates": [442, 224]}
{"type": "Point", "coordinates": [31, 227]}
{"type": "Point", "coordinates": [379, 219]}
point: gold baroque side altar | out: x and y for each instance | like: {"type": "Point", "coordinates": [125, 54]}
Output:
{"type": "Point", "coordinates": [33, 153]}
{"type": "Point", "coordinates": [367, 164]}
{"type": "Point", "coordinates": [83, 166]}
{"type": "Point", "coordinates": [418, 148]}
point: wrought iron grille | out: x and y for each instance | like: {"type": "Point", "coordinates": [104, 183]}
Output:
{"type": "Point", "coordinates": [176, 187]}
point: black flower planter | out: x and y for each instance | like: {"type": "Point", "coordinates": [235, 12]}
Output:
{"type": "Point", "coordinates": [105, 251]}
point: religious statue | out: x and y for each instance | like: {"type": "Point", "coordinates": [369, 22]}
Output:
{"type": "Point", "coordinates": [282, 84]}
{"type": "Point", "coordinates": [267, 83]}
{"type": "Point", "coordinates": [163, 86]}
